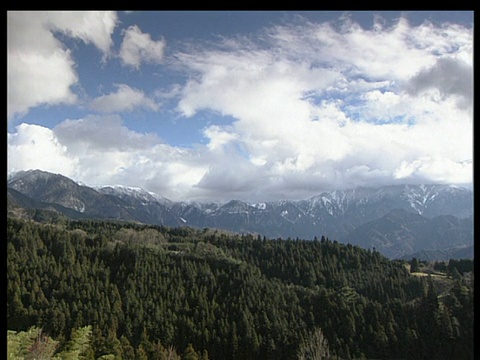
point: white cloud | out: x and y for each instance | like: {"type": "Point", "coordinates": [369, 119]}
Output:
{"type": "Point", "coordinates": [315, 107]}
{"type": "Point", "coordinates": [90, 26]}
{"type": "Point", "coordinates": [435, 169]}
{"type": "Point", "coordinates": [378, 52]}
{"type": "Point", "coordinates": [124, 99]}
{"type": "Point", "coordinates": [138, 47]}
{"type": "Point", "coordinates": [100, 150]}
{"type": "Point", "coordinates": [36, 147]}
{"type": "Point", "coordinates": [101, 133]}
{"type": "Point", "coordinates": [320, 105]}
{"type": "Point", "coordinates": [40, 70]}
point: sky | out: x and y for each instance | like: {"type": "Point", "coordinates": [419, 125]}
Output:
{"type": "Point", "coordinates": [247, 105]}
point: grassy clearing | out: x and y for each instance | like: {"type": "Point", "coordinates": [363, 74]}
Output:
{"type": "Point", "coordinates": [443, 276]}
{"type": "Point", "coordinates": [427, 271]}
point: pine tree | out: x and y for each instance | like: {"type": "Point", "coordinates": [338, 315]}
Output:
{"type": "Point", "coordinates": [190, 353]}
{"type": "Point", "coordinates": [414, 265]}
{"type": "Point", "coordinates": [78, 345]}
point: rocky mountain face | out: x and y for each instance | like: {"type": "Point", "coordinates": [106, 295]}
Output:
{"type": "Point", "coordinates": [105, 203]}
{"type": "Point", "coordinates": [396, 220]}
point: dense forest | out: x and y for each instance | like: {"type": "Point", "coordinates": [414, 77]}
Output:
{"type": "Point", "coordinates": [91, 289]}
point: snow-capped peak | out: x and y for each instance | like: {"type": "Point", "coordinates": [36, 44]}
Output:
{"type": "Point", "coordinates": [335, 202]}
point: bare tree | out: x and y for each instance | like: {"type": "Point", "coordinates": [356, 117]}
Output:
{"type": "Point", "coordinates": [314, 347]}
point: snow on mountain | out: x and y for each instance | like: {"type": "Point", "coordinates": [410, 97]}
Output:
{"type": "Point", "coordinates": [419, 196]}
{"type": "Point", "coordinates": [260, 206]}
{"type": "Point", "coordinates": [336, 202]}
{"type": "Point", "coordinates": [429, 200]}
{"type": "Point", "coordinates": [134, 192]}
{"type": "Point", "coordinates": [335, 214]}
{"type": "Point", "coordinates": [236, 207]}
{"type": "Point", "coordinates": [45, 186]}
{"type": "Point", "coordinates": [424, 199]}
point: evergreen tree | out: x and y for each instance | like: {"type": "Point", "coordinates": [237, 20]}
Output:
{"type": "Point", "coordinates": [78, 345]}
{"type": "Point", "coordinates": [190, 353]}
{"type": "Point", "coordinates": [414, 267]}
{"type": "Point", "coordinates": [144, 291]}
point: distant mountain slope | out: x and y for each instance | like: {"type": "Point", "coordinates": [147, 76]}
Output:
{"type": "Point", "coordinates": [397, 220]}
{"type": "Point", "coordinates": [334, 213]}
{"type": "Point", "coordinates": [460, 252]}
{"type": "Point", "coordinates": [400, 232]}
{"type": "Point", "coordinates": [144, 206]}
{"type": "Point", "coordinates": [57, 189]}
{"type": "Point", "coordinates": [16, 200]}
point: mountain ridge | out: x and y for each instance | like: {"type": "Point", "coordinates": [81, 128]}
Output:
{"type": "Point", "coordinates": [337, 214]}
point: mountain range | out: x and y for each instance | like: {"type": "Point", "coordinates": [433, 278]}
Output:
{"type": "Point", "coordinates": [429, 221]}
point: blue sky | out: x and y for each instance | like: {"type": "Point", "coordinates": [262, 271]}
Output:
{"type": "Point", "coordinates": [249, 105]}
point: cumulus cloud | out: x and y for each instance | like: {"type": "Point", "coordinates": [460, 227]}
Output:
{"type": "Point", "coordinates": [314, 107]}
{"type": "Point", "coordinates": [94, 27]}
{"type": "Point", "coordinates": [40, 70]}
{"type": "Point", "coordinates": [435, 169]}
{"type": "Point", "coordinates": [100, 133]}
{"type": "Point", "coordinates": [138, 47]}
{"type": "Point", "coordinates": [324, 105]}
{"type": "Point", "coordinates": [124, 99]}
{"type": "Point", "coordinates": [127, 157]}
{"type": "Point", "coordinates": [36, 147]}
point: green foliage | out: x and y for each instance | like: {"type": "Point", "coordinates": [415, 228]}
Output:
{"type": "Point", "coordinates": [30, 344]}
{"type": "Point", "coordinates": [440, 266]}
{"type": "Point", "coordinates": [105, 289]}
{"type": "Point", "coordinates": [462, 265]}
{"type": "Point", "coordinates": [78, 344]}
{"type": "Point", "coordinates": [414, 265]}
{"type": "Point", "coordinates": [190, 353]}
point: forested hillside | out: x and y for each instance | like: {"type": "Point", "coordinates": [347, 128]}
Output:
{"type": "Point", "coordinates": [129, 291]}
{"type": "Point", "coordinates": [431, 221]}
